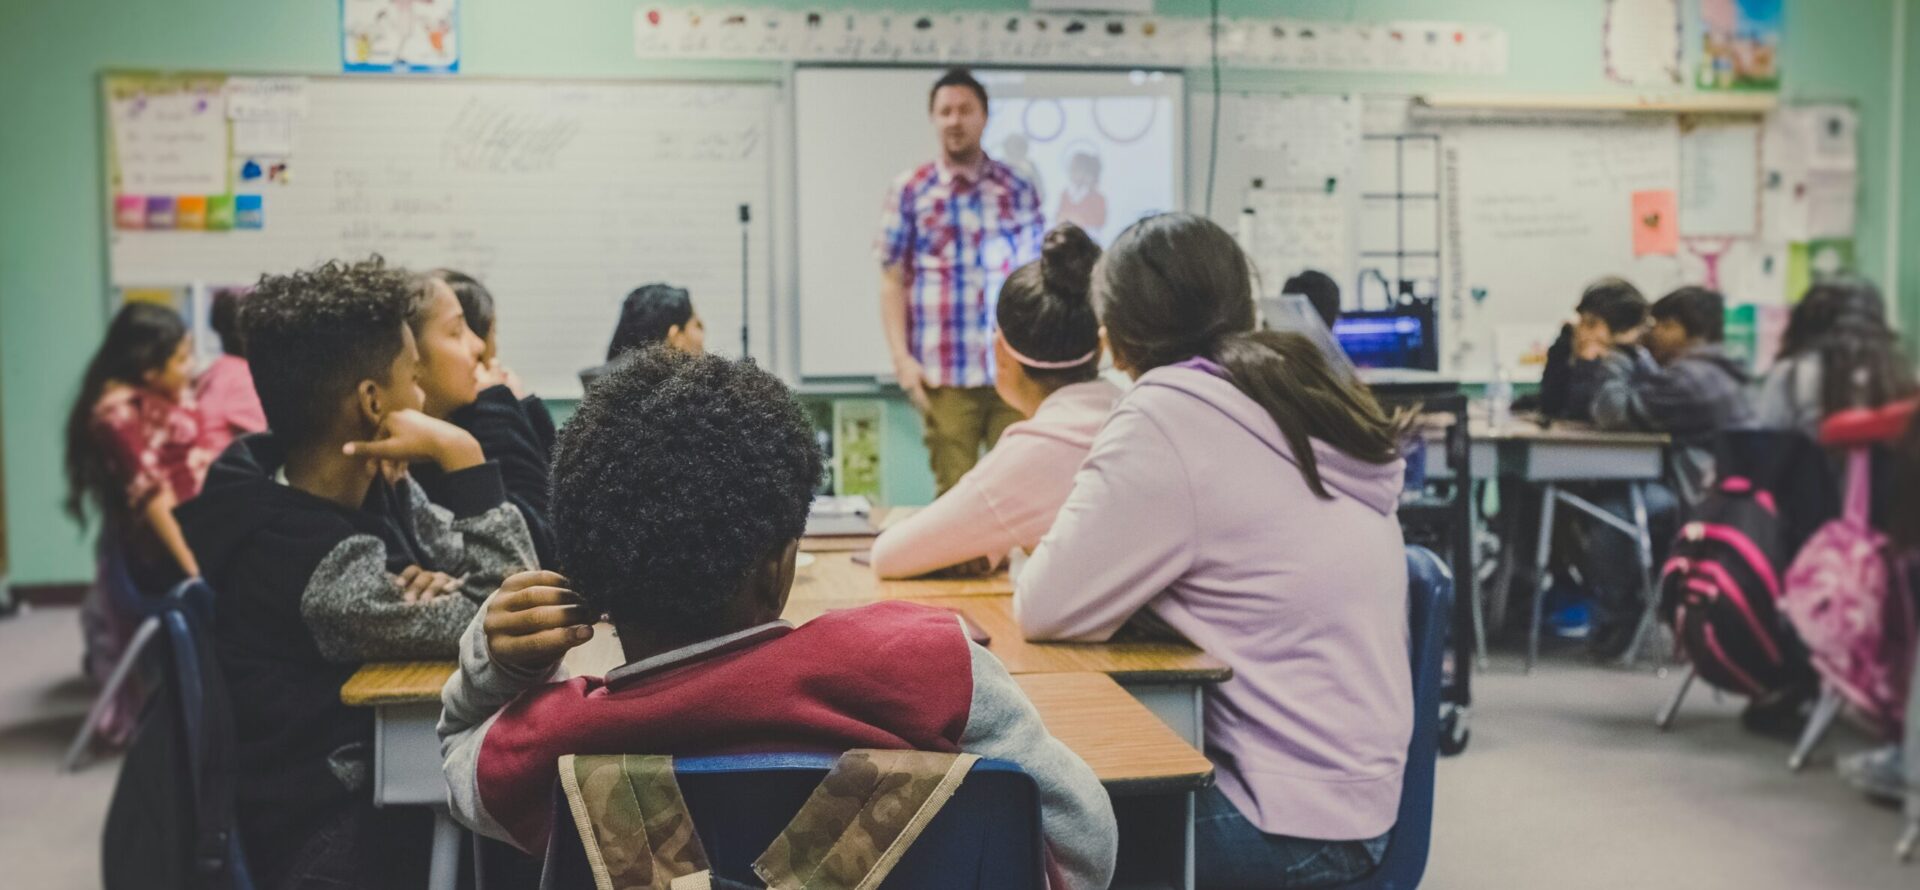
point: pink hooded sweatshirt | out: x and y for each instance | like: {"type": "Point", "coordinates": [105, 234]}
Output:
{"type": "Point", "coordinates": [1009, 499]}
{"type": "Point", "coordinates": [1190, 505]}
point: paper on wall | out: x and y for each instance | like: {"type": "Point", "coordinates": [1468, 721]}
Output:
{"type": "Point", "coordinates": [1641, 42]}
{"type": "Point", "coordinates": [171, 140]}
{"type": "Point", "coordinates": [1720, 179]}
{"type": "Point", "coordinates": [265, 98]}
{"type": "Point", "coordinates": [1287, 232]}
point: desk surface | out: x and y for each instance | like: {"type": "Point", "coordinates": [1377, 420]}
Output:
{"type": "Point", "coordinates": [1128, 661]}
{"type": "Point", "coordinates": [834, 576]}
{"type": "Point", "coordinates": [1129, 748]}
{"type": "Point", "coordinates": [1561, 431]}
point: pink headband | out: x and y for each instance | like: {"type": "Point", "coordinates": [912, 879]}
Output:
{"type": "Point", "coordinates": [1044, 366]}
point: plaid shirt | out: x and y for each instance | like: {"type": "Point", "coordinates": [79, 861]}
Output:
{"type": "Point", "coordinates": [958, 234]}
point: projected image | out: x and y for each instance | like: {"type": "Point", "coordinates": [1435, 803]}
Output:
{"type": "Point", "coordinates": [1099, 161]}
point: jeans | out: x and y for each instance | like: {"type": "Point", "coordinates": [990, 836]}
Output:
{"type": "Point", "coordinates": [1230, 853]}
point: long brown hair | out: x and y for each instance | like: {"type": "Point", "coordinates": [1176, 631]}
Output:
{"type": "Point", "coordinates": [1843, 323]}
{"type": "Point", "coordinates": [142, 337]}
{"type": "Point", "coordinates": [1176, 286]}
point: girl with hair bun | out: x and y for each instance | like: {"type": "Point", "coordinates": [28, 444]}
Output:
{"type": "Point", "coordinates": [1245, 494]}
{"type": "Point", "coordinates": [1047, 355]}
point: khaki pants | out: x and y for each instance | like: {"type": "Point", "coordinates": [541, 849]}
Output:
{"type": "Point", "coordinates": [960, 421]}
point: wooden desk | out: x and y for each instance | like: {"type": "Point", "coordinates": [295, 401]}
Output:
{"type": "Point", "coordinates": [1567, 452]}
{"type": "Point", "coordinates": [1150, 771]}
{"type": "Point", "coordinates": [834, 576]}
{"type": "Point", "coordinates": [1169, 677]}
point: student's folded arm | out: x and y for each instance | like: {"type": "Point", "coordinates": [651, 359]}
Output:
{"type": "Point", "coordinates": [354, 610]}
{"type": "Point", "coordinates": [957, 527]}
{"type": "Point", "coordinates": [1616, 399]}
{"type": "Point", "coordinates": [1126, 533]}
{"type": "Point", "coordinates": [474, 530]}
{"type": "Point", "coordinates": [1680, 401]}
{"type": "Point", "coordinates": [470, 702]}
{"type": "Point", "coordinates": [1075, 811]}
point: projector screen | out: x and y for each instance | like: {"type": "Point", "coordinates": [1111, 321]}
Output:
{"type": "Point", "coordinates": [1104, 148]}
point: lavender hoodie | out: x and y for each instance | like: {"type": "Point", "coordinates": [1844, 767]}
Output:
{"type": "Point", "coordinates": [1190, 505]}
{"type": "Point", "coordinates": [1009, 499]}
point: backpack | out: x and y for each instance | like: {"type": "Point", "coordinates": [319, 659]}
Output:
{"type": "Point", "coordinates": [1720, 590]}
{"type": "Point", "coordinates": [1839, 596]}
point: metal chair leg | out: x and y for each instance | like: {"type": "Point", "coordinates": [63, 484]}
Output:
{"type": "Point", "coordinates": [1643, 542]}
{"type": "Point", "coordinates": [1665, 718]}
{"type": "Point", "coordinates": [78, 752]}
{"type": "Point", "coordinates": [1824, 713]}
{"type": "Point", "coordinates": [1909, 840]}
{"type": "Point", "coordinates": [1549, 497]}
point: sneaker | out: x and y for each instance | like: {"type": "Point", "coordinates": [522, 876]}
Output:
{"type": "Point", "coordinates": [1880, 773]}
{"type": "Point", "coordinates": [1781, 714]}
{"type": "Point", "coordinates": [1573, 621]}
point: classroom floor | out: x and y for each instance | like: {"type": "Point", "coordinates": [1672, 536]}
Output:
{"type": "Point", "coordinates": [1566, 785]}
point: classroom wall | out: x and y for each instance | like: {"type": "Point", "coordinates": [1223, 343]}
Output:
{"type": "Point", "coordinates": [52, 292]}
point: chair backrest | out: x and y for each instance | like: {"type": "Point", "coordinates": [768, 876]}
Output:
{"type": "Point", "coordinates": [987, 836]}
{"type": "Point", "coordinates": [191, 770]}
{"type": "Point", "coordinates": [1429, 602]}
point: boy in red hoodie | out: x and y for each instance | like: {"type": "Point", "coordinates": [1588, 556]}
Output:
{"type": "Point", "coordinates": [680, 491]}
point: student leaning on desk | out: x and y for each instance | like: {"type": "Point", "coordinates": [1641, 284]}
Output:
{"type": "Point", "coordinates": [687, 541]}
{"type": "Point", "coordinates": [1246, 495]}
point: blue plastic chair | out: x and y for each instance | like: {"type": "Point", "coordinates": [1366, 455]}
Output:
{"type": "Point", "coordinates": [203, 721]}
{"type": "Point", "coordinates": [987, 837]}
{"type": "Point", "coordinates": [1429, 603]}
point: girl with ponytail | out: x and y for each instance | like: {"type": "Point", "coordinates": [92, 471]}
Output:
{"type": "Point", "coordinates": [1245, 493]}
{"type": "Point", "coordinates": [1047, 352]}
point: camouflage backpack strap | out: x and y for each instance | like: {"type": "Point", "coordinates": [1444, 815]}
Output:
{"type": "Point", "coordinates": [633, 822]}
{"type": "Point", "coordinates": [855, 826]}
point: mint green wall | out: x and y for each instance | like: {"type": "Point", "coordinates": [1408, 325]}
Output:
{"type": "Point", "coordinates": [52, 292]}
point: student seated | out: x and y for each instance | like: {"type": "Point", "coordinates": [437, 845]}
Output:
{"type": "Point", "coordinates": [1608, 322]}
{"type": "Point", "coordinates": [229, 408]}
{"type": "Point", "coordinates": [1047, 354]}
{"type": "Point", "coordinates": [1321, 290]}
{"type": "Point", "coordinates": [324, 556]}
{"type": "Point", "coordinates": [476, 304]}
{"type": "Point", "coordinates": [464, 386]}
{"type": "Point", "coordinates": [133, 452]}
{"type": "Point", "coordinates": [1245, 494]}
{"type": "Point", "coordinates": [1842, 326]}
{"type": "Point", "coordinates": [681, 489]}
{"type": "Point", "coordinates": [653, 314]}
{"type": "Point", "coordinates": [1882, 772]}
{"type": "Point", "coordinates": [1681, 383]}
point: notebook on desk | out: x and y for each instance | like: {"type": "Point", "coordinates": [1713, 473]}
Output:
{"type": "Point", "coordinates": [840, 517]}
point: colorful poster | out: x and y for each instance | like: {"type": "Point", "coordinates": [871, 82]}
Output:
{"type": "Point", "coordinates": [1656, 225]}
{"type": "Point", "coordinates": [405, 36]}
{"type": "Point", "coordinates": [1740, 44]}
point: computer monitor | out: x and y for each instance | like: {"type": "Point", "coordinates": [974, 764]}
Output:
{"type": "Point", "coordinates": [1390, 338]}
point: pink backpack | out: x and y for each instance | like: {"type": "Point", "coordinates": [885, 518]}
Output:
{"type": "Point", "coordinates": [1838, 596]}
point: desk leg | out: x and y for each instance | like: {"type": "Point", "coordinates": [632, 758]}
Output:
{"type": "Point", "coordinates": [1549, 498]}
{"type": "Point", "coordinates": [1643, 541]}
{"type": "Point", "coordinates": [1187, 826]}
{"type": "Point", "coordinates": [445, 871]}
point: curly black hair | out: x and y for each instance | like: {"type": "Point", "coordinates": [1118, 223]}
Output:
{"type": "Point", "coordinates": [677, 476]}
{"type": "Point", "coordinates": [313, 335]}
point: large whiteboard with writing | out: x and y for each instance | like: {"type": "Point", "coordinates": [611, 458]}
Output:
{"type": "Point", "coordinates": [1536, 213]}
{"type": "Point", "coordinates": [560, 196]}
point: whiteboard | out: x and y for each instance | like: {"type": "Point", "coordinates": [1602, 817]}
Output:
{"type": "Point", "coordinates": [1536, 213]}
{"type": "Point", "coordinates": [857, 129]}
{"type": "Point", "coordinates": [560, 196]}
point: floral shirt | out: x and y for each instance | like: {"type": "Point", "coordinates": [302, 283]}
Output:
{"type": "Point", "coordinates": [152, 442]}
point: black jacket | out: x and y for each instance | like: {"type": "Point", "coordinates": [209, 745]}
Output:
{"type": "Point", "coordinates": [518, 435]}
{"type": "Point", "coordinates": [305, 594]}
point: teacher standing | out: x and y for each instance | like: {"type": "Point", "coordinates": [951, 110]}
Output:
{"type": "Point", "coordinates": [951, 233]}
